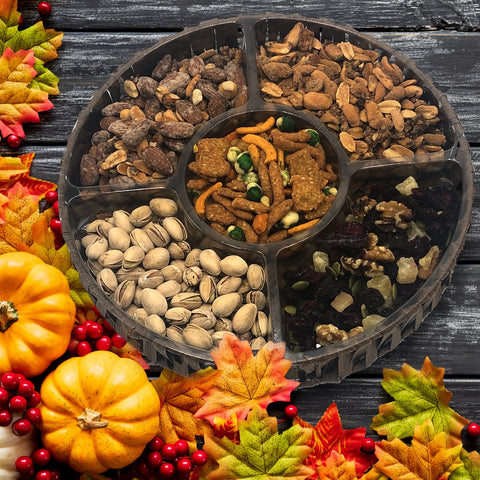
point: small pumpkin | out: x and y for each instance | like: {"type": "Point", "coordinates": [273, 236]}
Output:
{"type": "Point", "coordinates": [11, 447]}
{"type": "Point", "coordinates": [36, 314]}
{"type": "Point", "coordinates": [98, 412]}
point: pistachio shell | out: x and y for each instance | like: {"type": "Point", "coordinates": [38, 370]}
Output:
{"type": "Point", "coordinates": [175, 333]}
{"type": "Point", "coordinates": [175, 228]}
{"type": "Point", "coordinates": [169, 289]}
{"type": "Point", "coordinates": [154, 322]}
{"type": "Point", "coordinates": [203, 317]}
{"type": "Point", "coordinates": [210, 261]}
{"type": "Point", "coordinates": [163, 207]}
{"type": "Point", "coordinates": [140, 238]}
{"type": "Point", "coordinates": [140, 315]}
{"type": "Point", "coordinates": [244, 318]}
{"type": "Point", "coordinates": [217, 336]}
{"type": "Point", "coordinates": [88, 239]}
{"type": "Point", "coordinates": [124, 294]}
{"type": "Point", "coordinates": [207, 288]}
{"type": "Point", "coordinates": [150, 279]}
{"type": "Point", "coordinates": [225, 305]}
{"type": "Point", "coordinates": [256, 297]}
{"type": "Point", "coordinates": [190, 300]}
{"type": "Point", "coordinates": [257, 343]}
{"type": "Point", "coordinates": [118, 239]}
{"type": "Point", "coordinates": [121, 220]}
{"type": "Point", "coordinates": [92, 226]}
{"type": "Point", "coordinates": [111, 259]}
{"type": "Point", "coordinates": [133, 257]}
{"type": "Point", "coordinates": [228, 285]}
{"type": "Point", "coordinates": [223, 324]}
{"type": "Point", "coordinates": [140, 216]}
{"type": "Point", "coordinates": [156, 258]}
{"type": "Point", "coordinates": [129, 274]}
{"type": "Point", "coordinates": [192, 276]}
{"type": "Point", "coordinates": [172, 272]}
{"type": "Point", "coordinates": [234, 266]}
{"type": "Point", "coordinates": [198, 337]}
{"type": "Point", "coordinates": [153, 301]}
{"type": "Point", "coordinates": [96, 248]}
{"type": "Point", "coordinates": [94, 267]}
{"type": "Point", "coordinates": [107, 280]}
{"type": "Point", "coordinates": [193, 258]}
{"type": "Point", "coordinates": [179, 250]}
{"type": "Point", "coordinates": [178, 315]}
{"type": "Point", "coordinates": [157, 234]}
{"type": "Point", "coordinates": [103, 227]}
{"type": "Point", "coordinates": [256, 276]}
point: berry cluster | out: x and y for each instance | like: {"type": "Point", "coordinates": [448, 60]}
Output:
{"type": "Point", "coordinates": [169, 461]}
{"type": "Point", "coordinates": [38, 466]}
{"type": "Point", "coordinates": [51, 197]}
{"type": "Point", "coordinates": [18, 398]}
{"type": "Point", "coordinates": [90, 336]}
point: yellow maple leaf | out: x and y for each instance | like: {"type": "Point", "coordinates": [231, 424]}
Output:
{"type": "Point", "coordinates": [337, 467]}
{"type": "Point", "coordinates": [180, 398]}
{"type": "Point", "coordinates": [20, 213]}
{"type": "Point", "coordinates": [428, 457]}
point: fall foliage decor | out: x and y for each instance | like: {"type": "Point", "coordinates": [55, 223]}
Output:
{"type": "Point", "coordinates": [25, 82]}
{"type": "Point", "coordinates": [98, 412]}
{"type": "Point", "coordinates": [36, 314]}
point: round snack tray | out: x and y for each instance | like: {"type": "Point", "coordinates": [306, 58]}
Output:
{"type": "Point", "coordinates": [79, 204]}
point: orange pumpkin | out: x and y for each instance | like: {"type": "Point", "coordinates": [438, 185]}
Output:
{"type": "Point", "coordinates": [98, 412]}
{"type": "Point", "coordinates": [36, 314]}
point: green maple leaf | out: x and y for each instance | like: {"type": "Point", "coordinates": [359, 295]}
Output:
{"type": "Point", "coordinates": [470, 469]}
{"type": "Point", "coordinates": [419, 395]}
{"type": "Point", "coordinates": [263, 453]}
{"type": "Point", "coordinates": [43, 42]}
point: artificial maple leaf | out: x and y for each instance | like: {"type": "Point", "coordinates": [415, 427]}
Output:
{"type": "Point", "coordinates": [246, 380]}
{"type": "Point", "coordinates": [471, 466]}
{"type": "Point", "coordinates": [418, 395]}
{"type": "Point", "coordinates": [17, 169]}
{"type": "Point", "coordinates": [18, 102]}
{"type": "Point", "coordinates": [43, 42]}
{"type": "Point", "coordinates": [181, 397]}
{"type": "Point", "coordinates": [428, 457]}
{"type": "Point", "coordinates": [263, 453]}
{"type": "Point", "coordinates": [227, 428]}
{"type": "Point", "coordinates": [329, 436]}
{"type": "Point", "coordinates": [20, 214]}
{"type": "Point", "coordinates": [336, 467]}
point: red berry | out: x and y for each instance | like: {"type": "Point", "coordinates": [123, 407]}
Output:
{"type": "Point", "coordinates": [34, 415]}
{"type": "Point", "coordinates": [41, 457]}
{"type": "Point", "coordinates": [14, 141]}
{"type": "Point", "coordinates": [368, 445]}
{"type": "Point", "coordinates": [43, 475]}
{"type": "Point", "coordinates": [166, 470]}
{"type": "Point", "coordinates": [103, 343]}
{"type": "Point", "coordinates": [55, 208]}
{"type": "Point", "coordinates": [51, 196]}
{"type": "Point", "coordinates": [155, 445]}
{"type": "Point", "coordinates": [9, 380]}
{"type": "Point", "coordinates": [79, 332]}
{"type": "Point", "coordinates": [4, 396]}
{"type": "Point", "coordinates": [26, 388]}
{"type": "Point", "coordinates": [44, 8]}
{"type": "Point", "coordinates": [118, 341]}
{"type": "Point", "coordinates": [291, 411]}
{"type": "Point", "coordinates": [34, 399]}
{"type": "Point", "coordinates": [20, 21]}
{"type": "Point", "coordinates": [24, 464]}
{"type": "Point", "coordinates": [184, 465]}
{"type": "Point", "coordinates": [142, 469]}
{"type": "Point", "coordinates": [84, 348]}
{"type": "Point", "coordinates": [182, 447]}
{"type": "Point", "coordinates": [56, 474]}
{"type": "Point", "coordinates": [56, 225]}
{"type": "Point", "coordinates": [199, 458]}
{"type": "Point", "coordinates": [95, 330]}
{"type": "Point", "coordinates": [154, 459]}
{"type": "Point", "coordinates": [473, 429]}
{"type": "Point", "coordinates": [5, 418]}
{"type": "Point", "coordinates": [17, 404]}
{"type": "Point", "coordinates": [87, 323]}
{"type": "Point", "coordinates": [169, 451]}
{"type": "Point", "coordinates": [22, 427]}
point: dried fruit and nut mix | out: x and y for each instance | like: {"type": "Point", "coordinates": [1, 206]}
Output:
{"type": "Point", "coordinates": [143, 262]}
{"type": "Point", "coordinates": [359, 94]}
{"type": "Point", "coordinates": [375, 260]}
{"type": "Point", "coordinates": [262, 183]}
{"type": "Point", "coordinates": [141, 136]}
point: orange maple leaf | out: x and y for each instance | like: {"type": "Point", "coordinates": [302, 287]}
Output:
{"type": "Point", "coordinates": [20, 213]}
{"type": "Point", "coordinates": [180, 399]}
{"type": "Point", "coordinates": [428, 457]}
{"type": "Point", "coordinates": [246, 380]}
{"type": "Point", "coordinates": [18, 102]}
{"type": "Point", "coordinates": [337, 468]}
{"type": "Point", "coordinates": [329, 436]}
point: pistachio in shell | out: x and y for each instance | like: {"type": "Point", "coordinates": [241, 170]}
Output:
{"type": "Point", "coordinates": [163, 207]}
{"type": "Point", "coordinates": [244, 318]}
{"type": "Point", "coordinates": [107, 280]}
{"type": "Point", "coordinates": [154, 322]}
{"type": "Point", "coordinates": [256, 276]}
{"type": "Point", "coordinates": [198, 337]}
{"type": "Point", "coordinates": [140, 216]}
{"type": "Point", "coordinates": [225, 305]}
{"type": "Point", "coordinates": [156, 258]}
{"type": "Point", "coordinates": [111, 259]}
{"type": "Point", "coordinates": [157, 234]}
{"type": "Point", "coordinates": [207, 288]}
{"type": "Point", "coordinates": [118, 239]}
{"type": "Point", "coordinates": [175, 228]}
{"type": "Point", "coordinates": [170, 288]}
{"type": "Point", "coordinates": [140, 238]}
{"type": "Point", "coordinates": [153, 301]}
{"type": "Point", "coordinates": [210, 261]}
{"type": "Point", "coordinates": [133, 257]}
{"type": "Point", "coordinates": [121, 220]}
{"type": "Point", "coordinates": [124, 294]}
{"type": "Point", "coordinates": [96, 248]}
{"type": "Point", "coordinates": [228, 284]}
{"type": "Point", "coordinates": [178, 315]}
{"type": "Point", "coordinates": [234, 266]}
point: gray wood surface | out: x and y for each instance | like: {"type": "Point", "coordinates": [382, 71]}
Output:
{"type": "Point", "coordinates": [441, 36]}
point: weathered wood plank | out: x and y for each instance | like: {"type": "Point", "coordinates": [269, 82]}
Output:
{"type": "Point", "coordinates": [165, 15]}
{"type": "Point", "coordinates": [87, 59]}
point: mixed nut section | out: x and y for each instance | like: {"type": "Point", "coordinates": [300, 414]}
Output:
{"type": "Point", "coordinates": [392, 239]}
{"type": "Point", "coordinates": [143, 262]}
{"type": "Point", "coordinates": [141, 135]}
{"type": "Point", "coordinates": [362, 96]}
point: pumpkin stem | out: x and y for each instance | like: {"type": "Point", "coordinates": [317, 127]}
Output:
{"type": "Point", "coordinates": [91, 419]}
{"type": "Point", "coordinates": [8, 315]}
